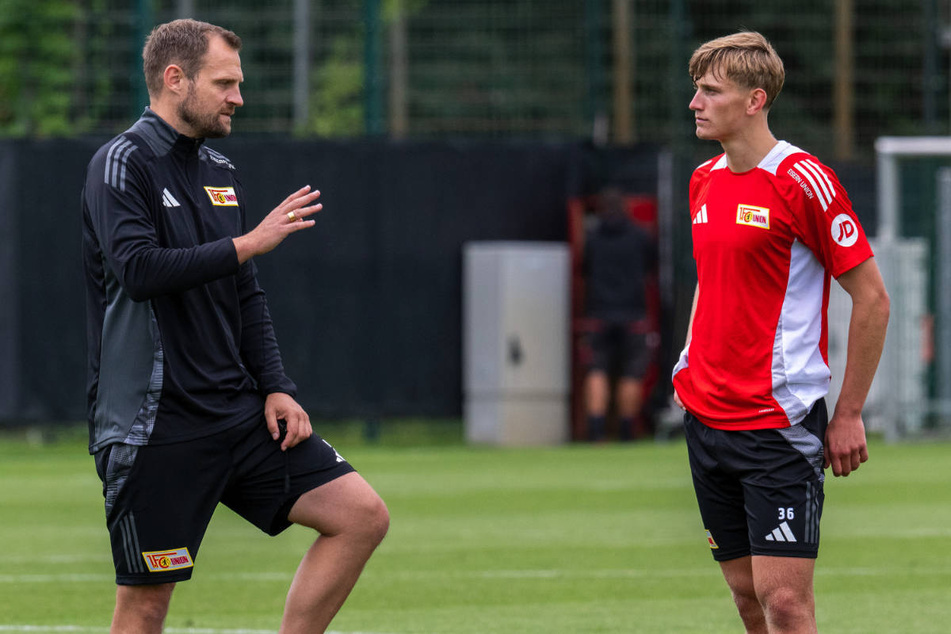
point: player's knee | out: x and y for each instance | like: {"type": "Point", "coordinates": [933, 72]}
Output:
{"type": "Point", "coordinates": [142, 607]}
{"type": "Point", "coordinates": [365, 521]}
{"type": "Point", "coordinates": [375, 520]}
{"type": "Point", "coordinates": [786, 608]}
{"type": "Point", "coordinates": [747, 603]}
{"type": "Point", "coordinates": [152, 614]}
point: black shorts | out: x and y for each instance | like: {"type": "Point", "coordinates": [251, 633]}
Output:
{"type": "Point", "coordinates": [618, 347]}
{"type": "Point", "coordinates": [160, 498]}
{"type": "Point", "coordinates": [760, 492]}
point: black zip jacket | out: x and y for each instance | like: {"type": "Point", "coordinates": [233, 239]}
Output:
{"type": "Point", "coordinates": [180, 340]}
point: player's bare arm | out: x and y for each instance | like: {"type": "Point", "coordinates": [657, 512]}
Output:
{"type": "Point", "coordinates": [288, 217]}
{"type": "Point", "coordinates": [845, 446]}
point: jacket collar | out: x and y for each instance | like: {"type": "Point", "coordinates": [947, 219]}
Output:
{"type": "Point", "coordinates": [161, 137]}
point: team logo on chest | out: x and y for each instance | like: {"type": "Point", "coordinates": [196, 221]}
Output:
{"type": "Point", "coordinates": [222, 196]}
{"type": "Point", "coordinates": [752, 216]}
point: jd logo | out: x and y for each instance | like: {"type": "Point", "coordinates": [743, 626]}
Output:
{"type": "Point", "coordinates": [844, 231]}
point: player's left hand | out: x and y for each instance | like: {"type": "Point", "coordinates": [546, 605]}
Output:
{"type": "Point", "coordinates": [290, 216]}
{"type": "Point", "coordinates": [845, 445]}
{"type": "Point", "coordinates": [280, 406]}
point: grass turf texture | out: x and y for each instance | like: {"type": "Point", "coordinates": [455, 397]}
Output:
{"type": "Point", "coordinates": [573, 539]}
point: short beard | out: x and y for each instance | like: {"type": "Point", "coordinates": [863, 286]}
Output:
{"type": "Point", "coordinates": [205, 125]}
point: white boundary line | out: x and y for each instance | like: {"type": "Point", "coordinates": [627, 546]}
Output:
{"type": "Point", "coordinates": [544, 573]}
{"type": "Point", "coordinates": [81, 629]}
{"type": "Point", "coordinates": [281, 577]}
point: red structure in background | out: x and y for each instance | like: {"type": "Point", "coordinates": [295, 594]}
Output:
{"type": "Point", "coordinates": [642, 209]}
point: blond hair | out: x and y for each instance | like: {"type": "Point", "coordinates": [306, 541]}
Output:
{"type": "Point", "coordinates": [183, 43]}
{"type": "Point", "coordinates": [745, 58]}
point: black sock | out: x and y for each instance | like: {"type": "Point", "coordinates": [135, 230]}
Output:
{"type": "Point", "coordinates": [596, 425]}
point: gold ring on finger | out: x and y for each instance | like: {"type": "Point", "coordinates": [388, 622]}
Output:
{"type": "Point", "coordinates": [292, 216]}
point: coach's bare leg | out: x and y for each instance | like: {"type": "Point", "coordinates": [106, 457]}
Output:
{"type": "Point", "coordinates": [352, 521]}
{"type": "Point", "coordinates": [739, 576]}
{"type": "Point", "coordinates": [141, 609]}
{"type": "Point", "coordinates": [784, 588]}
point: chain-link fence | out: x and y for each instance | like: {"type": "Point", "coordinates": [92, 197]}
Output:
{"type": "Point", "coordinates": [612, 70]}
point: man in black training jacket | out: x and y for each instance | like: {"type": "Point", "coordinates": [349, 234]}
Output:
{"type": "Point", "coordinates": [188, 401]}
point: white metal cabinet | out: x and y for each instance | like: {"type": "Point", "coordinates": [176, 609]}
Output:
{"type": "Point", "coordinates": [516, 342]}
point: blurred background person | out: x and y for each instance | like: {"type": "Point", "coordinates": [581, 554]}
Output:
{"type": "Point", "coordinates": [618, 257]}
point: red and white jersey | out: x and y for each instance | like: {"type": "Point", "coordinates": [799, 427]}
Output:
{"type": "Point", "coordinates": [765, 242]}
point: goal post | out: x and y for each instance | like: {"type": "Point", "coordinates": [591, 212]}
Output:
{"type": "Point", "coordinates": [889, 150]}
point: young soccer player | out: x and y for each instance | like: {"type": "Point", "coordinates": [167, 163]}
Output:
{"type": "Point", "coordinates": [771, 224]}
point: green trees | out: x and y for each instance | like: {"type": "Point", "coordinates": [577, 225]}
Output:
{"type": "Point", "coordinates": [37, 73]}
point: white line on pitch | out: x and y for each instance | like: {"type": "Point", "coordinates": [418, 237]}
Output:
{"type": "Point", "coordinates": [552, 573]}
{"type": "Point", "coordinates": [80, 629]}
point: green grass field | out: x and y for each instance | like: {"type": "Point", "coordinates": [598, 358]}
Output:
{"type": "Point", "coordinates": [575, 539]}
